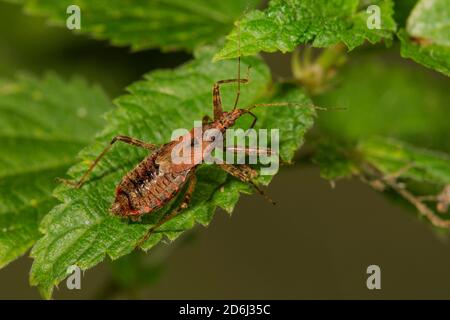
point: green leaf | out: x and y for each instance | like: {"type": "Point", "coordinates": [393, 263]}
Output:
{"type": "Point", "coordinates": [430, 55]}
{"type": "Point", "coordinates": [286, 24]}
{"type": "Point", "coordinates": [334, 160]}
{"type": "Point", "coordinates": [409, 175]}
{"type": "Point", "coordinates": [427, 36]}
{"type": "Point", "coordinates": [430, 20]}
{"type": "Point", "coordinates": [386, 96]}
{"type": "Point", "coordinates": [391, 156]}
{"type": "Point", "coordinates": [144, 24]}
{"type": "Point", "coordinates": [81, 231]}
{"type": "Point", "coordinates": [43, 124]}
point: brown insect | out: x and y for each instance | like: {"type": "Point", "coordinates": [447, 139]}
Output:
{"type": "Point", "coordinates": [157, 179]}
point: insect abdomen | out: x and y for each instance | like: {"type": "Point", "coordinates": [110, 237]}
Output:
{"type": "Point", "coordinates": [157, 192]}
{"type": "Point", "coordinates": [146, 189]}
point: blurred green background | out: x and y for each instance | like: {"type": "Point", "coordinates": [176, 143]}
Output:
{"type": "Point", "coordinates": [317, 241]}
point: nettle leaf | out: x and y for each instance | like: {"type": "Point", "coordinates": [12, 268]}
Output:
{"type": "Point", "coordinates": [430, 20]}
{"type": "Point", "coordinates": [286, 24]}
{"type": "Point", "coordinates": [409, 175]}
{"type": "Point", "coordinates": [426, 39]}
{"type": "Point", "coordinates": [430, 55]}
{"type": "Point", "coordinates": [81, 231]}
{"type": "Point", "coordinates": [335, 160]}
{"type": "Point", "coordinates": [391, 156]}
{"type": "Point", "coordinates": [43, 124]}
{"type": "Point", "coordinates": [144, 24]}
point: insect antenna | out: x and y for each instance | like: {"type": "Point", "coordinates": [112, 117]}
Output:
{"type": "Point", "coordinates": [284, 104]}
{"type": "Point", "coordinates": [238, 93]}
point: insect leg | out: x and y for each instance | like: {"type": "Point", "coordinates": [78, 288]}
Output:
{"type": "Point", "coordinates": [125, 139]}
{"type": "Point", "coordinates": [174, 213]}
{"type": "Point", "coordinates": [217, 100]}
{"type": "Point", "coordinates": [287, 104]}
{"type": "Point", "coordinates": [243, 172]}
{"type": "Point", "coordinates": [254, 119]}
{"type": "Point", "coordinates": [246, 174]}
{"type": "Point", "coordinates": [206, 119]}
{"type": "Point", "coordinates": [134, 142]}
{"type": "Point", "coordinates": [251, 151]}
